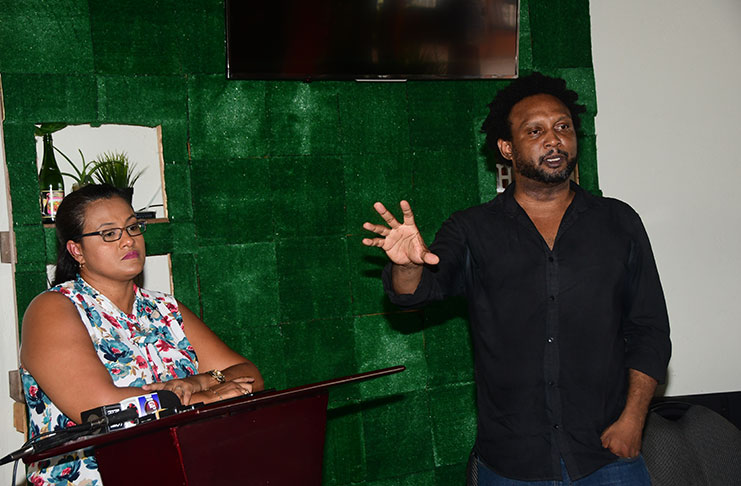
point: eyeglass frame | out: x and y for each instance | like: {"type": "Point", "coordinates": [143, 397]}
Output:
{"type": "Point", "coordinates": [141, 224]}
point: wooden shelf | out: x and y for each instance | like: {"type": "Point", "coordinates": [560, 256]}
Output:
{"type": "Point", "coordinates": [149, 221]}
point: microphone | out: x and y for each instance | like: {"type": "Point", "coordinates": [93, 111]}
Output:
{"type": "Point", "coordinates": [125, 414]}
{"type": "Point", "coordinates": [132, 411]}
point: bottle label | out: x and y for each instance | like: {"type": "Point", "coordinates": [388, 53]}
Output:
{"type": "Point", "coordinates": [50, 201]}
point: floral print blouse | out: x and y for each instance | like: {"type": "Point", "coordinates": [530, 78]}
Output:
{"type": "Point", "coordinates": [146, 346]}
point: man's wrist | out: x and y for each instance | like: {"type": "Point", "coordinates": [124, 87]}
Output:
{"type": "Point", "coordinates": [409, 267]}
{"type": "Point", "coordinates": [405, 280]}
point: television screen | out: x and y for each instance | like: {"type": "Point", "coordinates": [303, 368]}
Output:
{"type": "Point", "coordinates": [371, 39]}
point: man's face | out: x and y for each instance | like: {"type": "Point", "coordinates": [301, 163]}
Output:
{"type": "Point", "coordinates": [543, 146]}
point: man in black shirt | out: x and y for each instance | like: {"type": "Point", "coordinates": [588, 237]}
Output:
{"type": "Point", "coordinates": [568, 319]}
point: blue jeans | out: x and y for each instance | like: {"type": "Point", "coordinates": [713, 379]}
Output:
{"type": "Point", "coordinates": [623, 472]}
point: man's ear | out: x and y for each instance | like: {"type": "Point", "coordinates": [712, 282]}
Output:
{"type": "Point", "coordinates": [74, 249]}
{"type": "Point", "coordinates": [505, 148]}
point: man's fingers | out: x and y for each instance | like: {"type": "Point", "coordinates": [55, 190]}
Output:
{"type": "Point", "coordinates": [373, 242]}
{"type": "Point", "coordinates": [406, 210]}
{"type": "Point", "coordinates": [376, 228]}
{"type": "Point", "coordinates": [386, 215]}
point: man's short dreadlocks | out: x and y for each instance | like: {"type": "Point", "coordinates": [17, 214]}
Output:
{"type": "Point", "coordinates": [497, 125]}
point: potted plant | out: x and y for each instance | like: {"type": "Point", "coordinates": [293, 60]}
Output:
{"type": "Point", "coordinates": [114, 168]}
{"type": "Point", "coordinates": [81, 177]}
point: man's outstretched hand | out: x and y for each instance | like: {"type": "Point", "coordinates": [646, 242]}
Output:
{"type": "Point", "coordinates": [401, 241]}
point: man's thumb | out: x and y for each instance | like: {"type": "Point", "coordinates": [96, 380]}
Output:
{"type": "Point", "coordinates": [430, 258]}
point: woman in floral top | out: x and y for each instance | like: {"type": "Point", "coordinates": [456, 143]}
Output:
{"type": "Point", "coordinates": [96, 338]}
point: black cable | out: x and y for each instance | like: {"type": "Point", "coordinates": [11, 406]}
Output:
{"type": "Point", "coordinates": [150, 206]}
{"type": "Point", "coordinates": [50, 440]}
{"type": "Point", "coordinates": [15, 471]}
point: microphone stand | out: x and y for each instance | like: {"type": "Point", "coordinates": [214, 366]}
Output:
{"type": "Point", "coordinates": [57, 437]}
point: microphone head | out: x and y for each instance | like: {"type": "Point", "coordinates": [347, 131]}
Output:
{"type": "Point", "coordinates": [168, 399]}
{"type": "Point", "coordinates": [123, 416]}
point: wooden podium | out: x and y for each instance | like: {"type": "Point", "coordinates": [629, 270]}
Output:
{"type": "Point", "coordinates": [273, 438]}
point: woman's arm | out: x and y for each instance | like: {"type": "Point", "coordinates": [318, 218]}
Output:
{"type": "Point", "coordinates": [241, 375]}
{"type": "Point", "coordinates": [56, 349]}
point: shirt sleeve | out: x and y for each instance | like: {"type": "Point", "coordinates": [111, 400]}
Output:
{"type": "Point", "coordinates": [446, 279]}
{"type": "Point", "coordinates": [646, 324]}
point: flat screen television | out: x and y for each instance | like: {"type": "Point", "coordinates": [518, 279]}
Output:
{"type": "Point", "coordinates": [371, 39]}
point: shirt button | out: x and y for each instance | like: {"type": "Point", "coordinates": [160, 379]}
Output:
{"type": "Point", "coordinates": [552, 297]}
{"type": "Point", "coordinates": [551, 339]}
{"type": "Point", "coordinates": [550, 259]}
{"type": "Point", "coordinates": [556, 426]}
{"type": "Point", "coordinates": [551, 383]}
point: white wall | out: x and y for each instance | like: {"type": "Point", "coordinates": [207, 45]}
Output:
{"type": "Point", "coordinates": [668, 143]}
{"type": "Point", "coordinates": [10, 439]}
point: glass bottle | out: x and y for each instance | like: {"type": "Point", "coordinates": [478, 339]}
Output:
{"type": "Point", "coordinates": [51, 185]}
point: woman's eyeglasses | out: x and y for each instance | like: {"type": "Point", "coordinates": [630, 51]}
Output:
{"type": "Point", "coordinates": [114, 234]}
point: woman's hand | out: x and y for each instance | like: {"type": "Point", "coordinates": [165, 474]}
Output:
{"type": "Point", "coordinates": [190, 390]}
{"type": "Point", "coordinates": [214, 354]}
{"type": "Point", "coordinates": [184, 388]}
{"type": "Point", "coordinates": [233, 388]}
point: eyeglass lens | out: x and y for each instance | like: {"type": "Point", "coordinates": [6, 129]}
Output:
{"type": "Point", "coordinates": [114, 234]}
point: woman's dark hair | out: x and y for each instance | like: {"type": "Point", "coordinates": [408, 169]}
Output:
{"type": "Point", "coordinates": [70, 221]}
{"type": "Point", "coordinates": [497, 125]}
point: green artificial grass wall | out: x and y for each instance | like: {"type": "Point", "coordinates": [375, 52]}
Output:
{"type": "Point", "coordinates": [268, 184]}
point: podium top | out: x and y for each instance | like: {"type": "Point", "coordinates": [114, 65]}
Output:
{"type": "Point", "coordinates": [212, 410]}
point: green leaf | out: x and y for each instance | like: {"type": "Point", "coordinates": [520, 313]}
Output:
{"type": "Point", "coordinates": [45, 128]}
{"type": "Point", "coordinates": [84, 175]}
{"type": "Point", "coordinates": [114, 168]}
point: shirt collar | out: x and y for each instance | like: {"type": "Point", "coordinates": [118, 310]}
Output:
{"type": "Point", "coordinates": [582, 199]}
{"type": "Point", "coordinates": [83, 287]}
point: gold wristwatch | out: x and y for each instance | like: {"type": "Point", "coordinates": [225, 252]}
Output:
{"type": "Point", "coordinates": [217, 375]}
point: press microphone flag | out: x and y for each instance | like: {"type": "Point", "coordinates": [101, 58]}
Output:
{"type": "Point", "coordinates": [131, 411]}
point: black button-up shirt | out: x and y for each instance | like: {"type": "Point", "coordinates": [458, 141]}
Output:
{"type": "Point", "coordinates": [554, 331]}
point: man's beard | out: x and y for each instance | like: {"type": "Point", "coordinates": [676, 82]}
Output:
{"type": "Point", "coordinates": [533, 171]}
